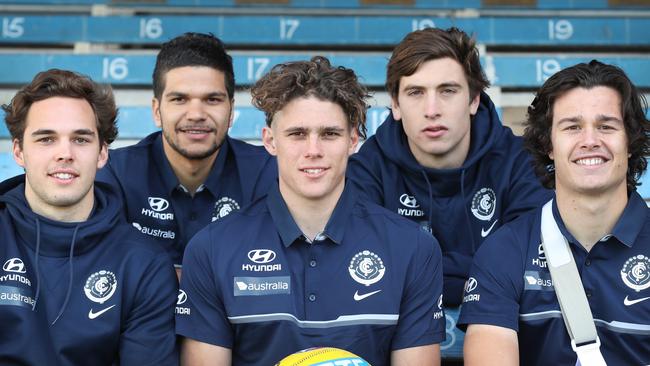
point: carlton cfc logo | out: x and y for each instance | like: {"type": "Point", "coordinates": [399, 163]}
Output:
{"type": "Point", "coordinates": [366, 268]}
{"type": "Point", "coordinates": [100, 286]}
{"type": "Point", "coordinates": [636, 272]}
{"type": "Point", "coordinates": [484, 204]}
{"type": "Point", "coordinates": [223, 207]}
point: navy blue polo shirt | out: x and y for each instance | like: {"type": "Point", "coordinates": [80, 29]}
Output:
{"type": "Point", "coordinates": [510, 286]}
{"type": "Point", "coordinates": [160, 207]}
{"type": "Point", "coordinates": [370, 283]}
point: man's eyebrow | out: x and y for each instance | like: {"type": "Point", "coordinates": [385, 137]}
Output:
{"type": "Point", "coordinates": [81, 131]}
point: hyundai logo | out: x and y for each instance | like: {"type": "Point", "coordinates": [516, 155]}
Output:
{"type": "Point", "coordinates": [540, 252]}
{"type": "Point", "coordinates": [182, 297]}
{"type": "Point", "coordinates": [408, 201]}
{"type": "Point", "coordinates": [471, 284]}
{"type": "Point", "coordinates": [158, 204]}
{"type": "Point", "coordinates": [14, 265]}
{"type": "Point", "coordinates": [261, 255]}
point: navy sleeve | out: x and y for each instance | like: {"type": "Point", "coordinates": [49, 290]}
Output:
{"type": "Point", "coordinates": [107, 175]}
{"type": "Point", "coordinates": [526, 191]}
{"type": "Point", "coordinates": [268, 176]}
{"type": "Point", "coordinates": [360, 174]}
{"type": "Point", "coordinates": [148, 333]}
{"type": "Point", "coordinates": [494, 287]}
{"type": "Point", "coordinates": [421, 319]}
{"type": "Point", "coordinates": [204, 316]}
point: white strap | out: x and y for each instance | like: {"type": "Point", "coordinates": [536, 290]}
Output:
{"type": "Point", "coordinates": [570, 293]}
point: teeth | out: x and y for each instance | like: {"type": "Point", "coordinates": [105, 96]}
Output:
{"type": "Point", "coordinates": [590, 161]}
{"type": "Point", "coordinates": [63, 176]}
{"type": "Point", "coordinates": [194, 132]}
{"type": "Point", "coordinates": [312, 171]}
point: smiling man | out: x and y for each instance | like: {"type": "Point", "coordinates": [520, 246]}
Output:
{"type": "Point", "coordinates": [176, 181]}
{"type": "Point", "coordinates": [78, 286]}
{"type": "Point", "coordinates": [588, 134]}
{"type": "Point", "coordinates": [312, 264]}
{"type": "Point", "coordinates": [442, 158]}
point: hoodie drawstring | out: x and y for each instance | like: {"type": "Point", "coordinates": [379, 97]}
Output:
{"type": "Point", "coordinates": [426, 179]}
{"type": "Point", "coordinates": [38, 272]}
{"type": "Point", "coordinates": [469, 222]}
{"type": "Point", "coordinates": [70, 266]}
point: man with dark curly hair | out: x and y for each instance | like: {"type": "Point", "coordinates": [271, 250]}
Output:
{"type": "Point", "coordinates": [78, 286]}
{"type": "Point", "coordinates": [589, 137]}
{"type": "Point", "coordinates": [312, 264]}
{"type": "Point", "coordinates": [443, 158]}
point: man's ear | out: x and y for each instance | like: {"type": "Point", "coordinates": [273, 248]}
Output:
{"type": "Point", "coordinates": [233, 113]}
{"type": "Point", "coordinates": [155, 110]}
{"type": "Point", "coordinates": [354, 141]}
{"type": "Point", "coordinates": [394, 106]}
{"type": "Point", "coordinates": [473, 105]}
{"type": "Point", "coordinates": [103, 156]}
{"type": "Point", "coordinates": [18, 153]}
{"type": "Point", "coordinates": [269, 140]}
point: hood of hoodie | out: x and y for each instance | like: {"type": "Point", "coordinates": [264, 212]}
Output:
{"type": "Point", "coordinates": [485, 130]}
{"type": "Point", "coordinates": [56, 237]}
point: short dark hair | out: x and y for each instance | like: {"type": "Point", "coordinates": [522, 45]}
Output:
{"type": "Point", "coordinates": [537, 136]}
{"type": "Point", "coordinates": [428, 44]}
{"type": "Point", "coordinates": [317, 77]}
{"type": "Point", "coordinates": [63, 83]}
{"type": "Point", "coordinates": [193, 49]}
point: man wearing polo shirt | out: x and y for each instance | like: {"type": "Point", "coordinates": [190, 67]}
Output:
{"type": "Point", "coordinates": [311, 264]}
{"type": "Point", "coordinates": [176, 181]}
{"type": "Point", "coordinates": [588, 134]}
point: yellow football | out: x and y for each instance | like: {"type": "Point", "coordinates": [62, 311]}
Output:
{"type": "Point", "coordinates": [323, 356]}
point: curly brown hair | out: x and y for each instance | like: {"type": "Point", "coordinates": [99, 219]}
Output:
{"type": "Point", "coordinates": [317, 77]}
{"type": "Point", "coordinates": [428, 44]}
{"type": "Point", "coordinates": [63, 83]}
{"type": "Point", "coordinates": [537, 136]}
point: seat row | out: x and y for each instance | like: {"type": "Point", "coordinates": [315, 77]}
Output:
{"type": "Point", "coordinates": [504, 70]}
{"type": "Point", "coordinates": [341, 31]}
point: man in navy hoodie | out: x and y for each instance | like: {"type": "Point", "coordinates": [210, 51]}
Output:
{"type": "Point", "coordinates": [78, 286]}
{"type": "Point", "coordinates": [176, 181]}
{"type": "Point", "coordinates": [442, 158]}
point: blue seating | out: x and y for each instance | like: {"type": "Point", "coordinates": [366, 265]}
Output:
{"type": "Point", "coordinates": [263, 31]}
{"type": "Point", "coordinates": [345, 4]}
{"type": "Point", "coordinates": [518, 71]}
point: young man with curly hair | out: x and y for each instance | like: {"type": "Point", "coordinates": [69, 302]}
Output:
{"type": "Point", "coordinates": [312, 264]}
{"type": "Point", "coordinates": [588, 134]}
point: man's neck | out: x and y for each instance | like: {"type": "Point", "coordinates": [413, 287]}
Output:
{"type": "Point", "coordinates": [590, 217]}
{"type": "Point", "coordinates": [310, 215]}
{"type": "Point", "coordinates": [191, 173]}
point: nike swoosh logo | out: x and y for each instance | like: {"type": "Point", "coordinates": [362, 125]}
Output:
{"type": "Point", "coordinates": [628, 302]}
{"type": "Point", "coordinates": [92, 315]}
{"type": "Point", "coordinates": [358, 297]}
{"type": "Point", "coordinates": [484, 232]}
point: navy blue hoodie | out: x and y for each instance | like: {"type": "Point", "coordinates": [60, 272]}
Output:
{"type": "Point", "coordinates": [495, 184]}
{"type": "Point", "coordinates": [85, 293]}
{"type": "Point", "coordinates": [159, 207]}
